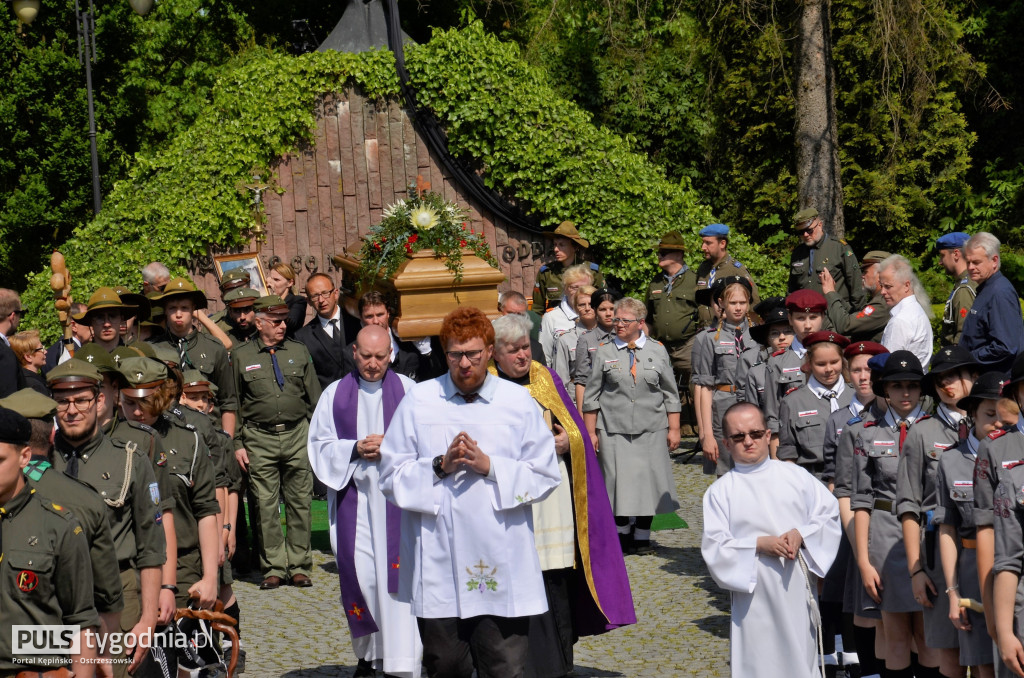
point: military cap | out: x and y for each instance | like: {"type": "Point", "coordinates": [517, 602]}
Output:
{"type": "Point", "coordinates": [144, 376]}
{"type": "Point", "coordinates": [234, 278]}
{"type": "Point", "coordinates": [14, 428]}
{"type": "Point", "coordinates": [122, 353]}
{"type": "Point", "coordinates": [271, 305]}
{"type": "Point", "coordinates": [195, 382]}
{"type": "Point", "coordinates": [826, 336]}
{"type": "Point", "coordinates": [952, 241]}
{"type": "Point", "coordinates": [103, 299]}
{"type": "Point", "coordinates": [715, 231]}
{"type": "Point", "coordinates": [773, 315]}
{"type": "Point", "coordinates": [241, 297]}
{"type": "Point", "coordinates": [135, 299]}
{"type": "Point", "coordinates": [30, 404]}
{"type": "Point", "coordinates": [567, 229]}
{"type": "Point", "coordinates": [988, 386]}
{"type": "Point", "coordinates": [73, 373]}
{"type": "Point", "coordinates": [98, 356]}
{"type": "Point", "coordinates": [144, 347]}
{"type": "Point", "coordinates": [179, 288]}
{"type": "Point", "coordinates": [872, 348]}
{"type": "Point", "coordinates": [803, 216]}
{"type": "Point", "coordinates": [165, 354]}
{"type": "Point", "coordinates": [672, 241]}
{"type": "Point", "coordinates": [899, 366]}
{"type": "Point", "coordinates": [874, 257]}
{"type": "Point", "coordinates": [806, 301]}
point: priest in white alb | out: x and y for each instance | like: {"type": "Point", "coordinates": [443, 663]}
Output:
{"type": "Point", "coordinates": [771, 530]}
{"type": "Point", "coordinates": [465, 457]}
{"type": "Point", "coordinates": [344, 452]}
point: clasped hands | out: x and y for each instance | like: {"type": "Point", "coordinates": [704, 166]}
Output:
{"type": "Point", "coordinates": [369, 447]}
{"type": "Point", "coordinates": [784, 546]}
{"type": "Point", "coordinates": [463, 452]}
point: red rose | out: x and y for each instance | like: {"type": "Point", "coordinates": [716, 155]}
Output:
{"type": "Point", "coordinates": [413, 238]}
{"type": "Point", "coordinates": [462, 243]}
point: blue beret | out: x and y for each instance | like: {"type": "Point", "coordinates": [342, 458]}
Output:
{"type": "Point", "coordinates": [952, 241]}
{"type": "Point", "coordinates": [715, 231]}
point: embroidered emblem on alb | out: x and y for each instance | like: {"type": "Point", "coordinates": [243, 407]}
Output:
{"type": "Point", "coordinates": [482, 580]}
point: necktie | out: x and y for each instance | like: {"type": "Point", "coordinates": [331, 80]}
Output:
{"type": "Point", "coordinates": [469, 397]}
{"type": "Point", "coordinates": [277, 369]}
{"type": "Point", "coordinates": [632, 359]}
{"type": "Point", "coordinates": [810, 264]}
{"type": "Point", "coordinates": [183, 353]}
{"type": "Point", "coordinates": [336, 331]}
{"type": "Point", "coordinates": [963, 430]}
{"type": "Point", "coordinates": [72, 468]}
{"type": "Point", "coordinates": [903, 433]}
{"type": "Point", "coordinates": [739, 340]}
{"type": "Point", "coordinates": [833, 402]}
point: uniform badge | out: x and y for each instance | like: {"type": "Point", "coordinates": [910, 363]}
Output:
{"type": "Point", "coordinates": [807, 413]}
{"type": "Point", "coordinates": [32, 541]}
{"type": "Point", "coordinates": [154, 493]}
{"type": "Point", "coordinates": [159, 518]}
{"type": "Point", "coordinates": [963, 312]}
{"type": "Point", "coordinates": [250, 368]}
{"type": "Point", "coordinates": [105, 476]}
{"type": "Point", "coordinates": [27, 581]}
{"type": "Point", "coordinates": [162, 459]}
{"type": "Point", "coordinates": [737, 264]}
{"type": "Point", "coordinates": [868, 310]}
{"type": "Point", "coordinates": [90, 358]}
{"type": "Point", "coordinates": [203, 356]}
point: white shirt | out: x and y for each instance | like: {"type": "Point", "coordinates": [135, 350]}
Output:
{"type": "Point", "coordinates": [798, 347]}
{"type": "Point", "coordinates": [469, 538]}
{"type": "Point", "coordinates": [909, 329]}
{"type": "Point", "coordinates": [325, 323]}
{"type": "Point", "coordinates": [821, 392]}
{"type": "Point", "coordinates": [554, 324]}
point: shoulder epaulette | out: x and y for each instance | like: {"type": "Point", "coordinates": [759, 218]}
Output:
{"type": "Point", "coordinates": [855, 420]}
{"type": "Point", "coordinates": [142, 427]}
{"type": "Point", "coordinates": [594, 267]}
{"type": "Point", "coordinates": [795, 388]}
{"type": "Point", "coordinates": [927, 416]}
{"type": "Point", "coordinates": [57, 509]}
{"type": "Point", "coordinates": [737, 264]}
{"type": "Point", "coordinates": [543, 267]}
{"type": "Point", "coordinates": [998, 433]}
{"type": "Point", "coordinates": [779, 352]}
{"type": "Point", "coordinates": [842, 240]}
{"type": "Point", "coordinates": [869, 424]}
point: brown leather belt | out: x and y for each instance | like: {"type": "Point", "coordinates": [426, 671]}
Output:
{"type": "Point", "coordinates": [728, 388]}
{"type": "Point", "coordinates": [273, 428]}
{"type": "Point", "coordinates": [969, 543]}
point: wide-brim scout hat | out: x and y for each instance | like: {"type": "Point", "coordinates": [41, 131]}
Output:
{"type": "Point", "coordinates": [181, 288]}
{"type": "Point", "coordinates": [988, 386]}
{"type": "Point", "coordinates": [872, 348]}
{"type": "Point", "coordinates": [30, 404]}
{"type": "Point", "coordinates": [233, 279]}
{"type": "Point", "coordinates": [567, 229]}
{"type": "Point", "coordinates": [945, 359]}
{"type": "Point", "coordinates": [273, 306]}
{"type": "Point", "coordinates": [899, 366]}
{"type": "Point", "coordinates": [240, 297]}
{"type": "Point", "coordinates": [73, 374]}
{"type": "Point", "coordinates": [156, 316]}
{"type": "Point", "coordinates": [140, 301]}
{"type": "Point", "coordinates": [1016, 374]}
{"type": "Point", "coordinates": [826, 337]}
{"type": "Point", "coordinates": [801, 218]}
{"type": "Point", "coordinates": [774, 315]}
{"type": "Point", "coordinates": [194, 381]}
{"type": "Point", "coordinates": [705, 296]}
{"type": "Point", "coordinates": [14, 428]}
{"type": "Point", "coordinates": [105, 298]}
{"type": "Point", "coordinates": [97, 356]}
{"type": "Point", "coordinates": [806, 301]}
{"type": "Point", "coordinates": [142, 376]}
{"type": "Point", "coordinates": [672, 241]}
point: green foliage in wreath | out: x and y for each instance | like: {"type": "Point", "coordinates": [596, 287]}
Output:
{"type": "Point", "coordinates": [422, 221]}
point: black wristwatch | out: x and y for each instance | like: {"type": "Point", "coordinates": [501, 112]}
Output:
{"type": "Point", "coordinates": [227, 526]}
{"type": "Point", "coordinates": [439, 467]}
{"type": "Point", "coordinates": [170, 587]}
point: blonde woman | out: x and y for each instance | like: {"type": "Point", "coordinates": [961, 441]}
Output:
{"type": "Point", "coordinates": [562, 318]}
{"type": "Point", "coordinates": [281, 281]}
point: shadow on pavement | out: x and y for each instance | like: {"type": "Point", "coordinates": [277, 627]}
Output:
{"type": "Point", "coordinates": [716, 625]}
{"type": "Point", "coordinates": [328, 670]}
{"type": "Point", "coordinates": [590, 671]}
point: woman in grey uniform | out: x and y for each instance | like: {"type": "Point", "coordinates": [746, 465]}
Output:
{"type": "Point", "coordinates": [565, 345]}
{"type": "Point", "coordinates": [958, 545]}
{"type": "Point", "coordinates": [720, 356]}
{"type": "Point", "coordinates": [603, 303]}
{"type": "Point", "coordinates": [774, 334]}
{"type": "Point", "coordinates": [881, 556]}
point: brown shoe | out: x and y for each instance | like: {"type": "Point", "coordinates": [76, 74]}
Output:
{"type": "Point", "coordinates": [270, 583]}
{"type": "Point", "coordinates": [302, 581]}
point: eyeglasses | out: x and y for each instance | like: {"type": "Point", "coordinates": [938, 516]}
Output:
{"type": "Point", "coordinates": [20, 312]}
{"type": "Point", "coordinates": [756, 434]}
{"type": "Point", "coordinates": [457, 356]}
{"type": "Point", "coordinates": [275, 321]}
{"type": "Point", "coordinates": [321, 295]}
{"type": "Point", "coordinates": [778, 333]}
{"type": "Point", "coordinates": [39, 349]}
{"type": "Point", "coordinates": [81, 404]}
{"type": "Point", "coordinates": [624, 321]}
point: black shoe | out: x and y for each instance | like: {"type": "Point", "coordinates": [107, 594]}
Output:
{"type": "Point", "coordinates": [363, 669]}
{"type": "Point", "coordinates": [626, 542]}
{"type": "Point", "coordinates": [643, 547]}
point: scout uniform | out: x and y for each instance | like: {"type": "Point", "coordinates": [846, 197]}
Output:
{"type": "Point", "coordinates": [105, 298]}
{"type": "Point", "coordinates": [547, 290]}
{"type": "Point", "coordinates": [232, 279]}
{"type": "Point", "coordinates": [1008, 516]}
{"type": "Point", "coordinates": [961, 298]}
{"type": "Point", "coordinates": [785, 372]}
{"type": "Point", "coordinates": [876, 453]}
{"type": "Point", "coordinates": [708, 272]}
{"type": "Point", "coordinates": [720, 357]}
{"type": "Point", "coordinates": [835, 255]}
{"type": "Point", "coordinates": [278, 390]}
{"type": "Point", "coordinates": [45, 573]}
{"type": "Point", "coordinates": [805, 412]}
{"type": "Point", "coordinates": [238, 297]}
{"type": "Point", "coordinates": [864, 324]}
{"type": "Point", "coordinates": [771, 313]}
{"type": "Point", "coordinates": [123, 477]}
{"type": "Point", "coordinates": [564, 358]}
{"type": "Point", "coordinates": [197, 350]}
{"type": "Point", "coordinates": [585, 349]}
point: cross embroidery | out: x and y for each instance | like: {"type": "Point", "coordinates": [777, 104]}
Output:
{"type": "Point", "coordinates": [357, 611]}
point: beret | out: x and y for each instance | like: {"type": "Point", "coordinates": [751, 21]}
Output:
{"type": "Point", "coordinates": [715, 231]}
{"type": "Point", "coordinates": [952, 241]}
{"type": "Point", "coordinates": [871, 348]}
{"type": "Point", "coordinates": [804, 214]}
{"type": "Point", "coordinates": [826, 336]}
{"type": "Point", "coordinates": [806, 301]}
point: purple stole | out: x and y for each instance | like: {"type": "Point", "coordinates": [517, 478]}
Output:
{"type": "Point", "coordinates": [346, 404]}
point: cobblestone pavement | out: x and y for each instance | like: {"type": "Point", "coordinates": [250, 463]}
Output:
{"type": "Point", "coordinates": [682, 629]}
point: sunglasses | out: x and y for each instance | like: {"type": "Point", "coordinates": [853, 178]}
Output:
{"type": "Point", "coordinates": [756, 434]}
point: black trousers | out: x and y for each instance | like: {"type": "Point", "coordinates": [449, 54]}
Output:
{"type": "Point", "coordinates": [494, 646]}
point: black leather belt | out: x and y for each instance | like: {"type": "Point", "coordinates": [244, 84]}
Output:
{"type": "Point", "coordinates": [883, 505]}
{"type": "Point", "coordinates": [273, 428]}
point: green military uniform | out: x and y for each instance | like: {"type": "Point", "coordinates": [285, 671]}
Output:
{"type": "Point", "coordinates": [958, 305]}
{"type": "Point", "coordinates": [232, 280]}
{"type": "Point", "coordinates": [707, 273]}
{"type": "Point", "coordinates": [548, 291]}
{"type": "Point", "coordinates": [45, 573]}
{"type": "Point", "coordinates": [147, 442]}
{"type": "Point", "coordinates": [275, 422]}
{"type": "Point", "coordinates": [209, 357]}
{"type": "Point", "coordinates": [864, 324]}
{"type": "Point", "coordinates": [808, 261]}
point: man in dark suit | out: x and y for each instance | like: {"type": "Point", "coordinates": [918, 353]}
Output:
{"type": "Point", "coordinates": [80, 334]}
{"type": "Point", "coordinates": [419, 360]}
{"type": "Point", "coordinates": [11, 377]}
{"type": "Point", "coordinates": [329, 332]}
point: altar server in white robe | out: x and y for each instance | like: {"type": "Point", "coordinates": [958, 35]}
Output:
{"type": "Point", "coordinates": [344, 452]}
{"type": "Point", "coordinates": [771, 529]}
{"type": "Point", "coordinates": [465, 456]}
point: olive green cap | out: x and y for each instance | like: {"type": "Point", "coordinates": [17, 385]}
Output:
{"type": "Point", "coordinates": [567, 229]}
{"type": "Point", "coordinates": [272, 305]}
{"type": "Point", "coordinates": [166, 354]}
{"type": "Point", "coordinates": [234, 278]}
{"type": "Point", "coordinates": [181, 287]}
{"type": "Point", "coordinates": [144, 347]}
{"type": "Point", "coordinates": [874, 257]}
{"type": "Point", "coordinates": [144, 376]}
{"type": "Point", "coordinates": [30, 404]}
{"type": "Point", "coordinates": [97, 356]}
{"type": "Point", "coordinates": [195, 382]}
{"type": "Point", "coordinates": [102, 299]}
{"type": "Point", "coordinates": [241, 296]}
{"type": "Point", "coordinates": [122, 353]}
{"type": "Point", "coordinates": [73, 373]}
{"type": "Point", "coordinates": [804, 215]}
{"type": "Point", "coordinates": [672, 241]}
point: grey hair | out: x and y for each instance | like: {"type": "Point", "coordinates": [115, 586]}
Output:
{"type": "Point", "coordinates": [983, 241]}
{"type": "Point", "coordinates": [904, 272]}
{"type": "Point", "coordinates": [638, 308]}
{"type": "Point", "coordinates": [154, 271]}
{"type": "Point", "coordinates": [512, 295]}
{"type": "Point", "coordinates": [510, 328]}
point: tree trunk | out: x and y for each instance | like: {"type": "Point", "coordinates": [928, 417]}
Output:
{"type": "Point", "coordinates": [817, 159]}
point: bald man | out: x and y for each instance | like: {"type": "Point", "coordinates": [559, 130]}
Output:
{"type": "Point", "coordinates": [344, 451]}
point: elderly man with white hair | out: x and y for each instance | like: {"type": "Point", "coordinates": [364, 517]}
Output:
{"type": "Point", "coordinates": [909, 327]}
{"type": "Point", "coordinates": [993, 329]}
